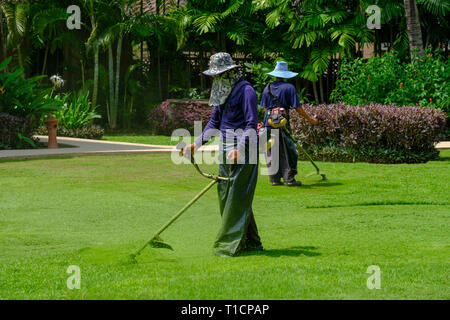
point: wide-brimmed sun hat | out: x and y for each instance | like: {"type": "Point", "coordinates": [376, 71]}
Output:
{"type": "Point", "coordinates": [220, 63]}
{"type": "Point", "coordinates": [282, 71]}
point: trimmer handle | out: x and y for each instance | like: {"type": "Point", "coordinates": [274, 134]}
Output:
{"type": "Point", "coordinates": [181, 146]}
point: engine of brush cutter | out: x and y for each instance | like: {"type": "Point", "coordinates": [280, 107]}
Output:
{"type": "Point", "coordinates": [277, 117]}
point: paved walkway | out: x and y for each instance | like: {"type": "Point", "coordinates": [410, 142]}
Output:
{"type": "Point", "coordinates": [77, 147]}
{"type": "Point", "coordinates": [443, 145]}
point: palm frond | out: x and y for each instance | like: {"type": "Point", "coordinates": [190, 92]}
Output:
{"type": "Point", "coordinates": [207, 23]}
{"type": "Point", "coordinates": [309, 74]}
{"type": "Point", "coordinates": [436, 7]}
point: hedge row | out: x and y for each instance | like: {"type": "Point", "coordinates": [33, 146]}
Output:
{"type": "Point", "coordinates": [374, 133]}
{"type": "Point", "coordinates": [10, 128]}
{"type": "Point", "coordinates": [171, 115]}
{"type": "Point", "coordinates": [82, 133]}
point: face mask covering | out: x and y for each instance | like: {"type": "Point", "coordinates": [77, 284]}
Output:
{"type": "Point", "coordinates": [222, 86]}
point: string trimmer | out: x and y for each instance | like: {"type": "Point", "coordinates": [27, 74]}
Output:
{"type": "Point", "coordinates": [156, 241]}
{"type": "Point", "coordinates": [306, 153]}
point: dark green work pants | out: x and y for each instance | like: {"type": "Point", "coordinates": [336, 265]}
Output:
{"type": "Point", "coordinates": [238, 231]}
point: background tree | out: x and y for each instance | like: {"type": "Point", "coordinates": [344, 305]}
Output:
{"type": "Point", "coordinates": [413, 25]}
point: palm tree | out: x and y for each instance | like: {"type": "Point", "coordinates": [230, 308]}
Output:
{"type": "Point", "coordinates": [319, 28]}
{"type": "Point", "coordinates": [48, 31]}
{"type": "Point", "coordinates": [112, 33]}
{"type": "Point", "coordinates": [3, 40]}
{"type": "Point", "coordinates": [221, 19]}
{"type": "Point", "coordinates": [91, 5]}
{"type": "Point", "coordinates": [16, 14]}
{"type": "Point", "coordinates": [413, 26]}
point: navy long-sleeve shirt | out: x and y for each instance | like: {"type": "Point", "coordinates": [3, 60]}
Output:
{"type": "Point", "coordinates": [241, 113]}
{"type": "Point", "coordinates": [284, 92]}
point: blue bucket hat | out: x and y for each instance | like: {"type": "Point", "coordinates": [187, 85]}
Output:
{"type": "Point", "coordinates": [281, 71]}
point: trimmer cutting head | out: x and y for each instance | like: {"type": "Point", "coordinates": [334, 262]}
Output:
{"type": "Point", "coordinates": [324, 177]}
{"type": "Point", "coordinates": [157, 242]}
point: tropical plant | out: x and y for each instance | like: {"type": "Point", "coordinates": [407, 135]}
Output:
{"type": "Point", "coordinates": [16, 14]}
{"type": "Point", "coordinates": [258, 73]}
{"type": "Point", "coordinates": [24, 97]}
{"type": "Point", "coordinates": [320, 29]}
{"type": "Point", "coordinates": [77, 110]}
{"type": "Point", "coordinates": [413, 26]}
{"type": "Point", "coordinates": [424, 81]}
{"type": "Point", "coordinates": [49, 30]}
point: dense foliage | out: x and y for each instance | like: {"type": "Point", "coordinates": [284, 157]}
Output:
{"type": "Point", "coordinates": [424, 81]}
{"type": "Point", "coordinates": [76, 111]}
{"type": "Point", "coordinates": [23, 97]}
{"type": "Point", "coordinates": [22, 102]}
{"type": "Point", "coordinates": [110, 54]}
{"type": "Point", "coordinates": [17, 132]}
{"type": "Point", "coordinates": [168, 116]}
{"type": "Point", "coordinates": [373, 133]}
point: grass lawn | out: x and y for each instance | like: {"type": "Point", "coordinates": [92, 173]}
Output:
{"type": "Point", "coordinates": [319, 239]}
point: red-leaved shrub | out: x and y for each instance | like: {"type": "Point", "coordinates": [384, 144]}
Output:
{"type": "Point", "coordinates": [169, 115]}
{"type": "Point", "coordinates": [374, 133]}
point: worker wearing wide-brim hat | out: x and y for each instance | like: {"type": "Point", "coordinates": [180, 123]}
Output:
{"type": "Point", "coordinates": [281, 95]}
{"type": "Point", "coordinates": [235, 115]}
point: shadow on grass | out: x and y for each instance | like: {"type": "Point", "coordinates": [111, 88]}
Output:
{"type": "Point", "coordinates": [286, 252]}
{"type": "Point", "coordinates": [321, 184]}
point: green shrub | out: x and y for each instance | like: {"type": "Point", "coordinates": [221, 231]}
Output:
{"type": "Point", "coordinates": [425, 81]}
{"type": "Point", "coordinates": [91, 132]}
{"type": "Point", "coordinates": [22, 103]}
{"type": "Point", "coordinates": [17, 132]}
{"type": "Point", "coordinates": [24, 97]}
{"type": "Point", "coordinates": [258, 73]}
{"type": "Point", "coordinates": [76, 112]}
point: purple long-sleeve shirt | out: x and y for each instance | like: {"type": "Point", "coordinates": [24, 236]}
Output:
{"type": "Point", "coordinates": [240, 114]}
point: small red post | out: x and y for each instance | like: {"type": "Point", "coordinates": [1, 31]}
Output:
{"type": "Point", "coordinates": [52, 127]}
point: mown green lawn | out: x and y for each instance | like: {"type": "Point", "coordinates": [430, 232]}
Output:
{"type": "Point", "coordinates": [319, 239]}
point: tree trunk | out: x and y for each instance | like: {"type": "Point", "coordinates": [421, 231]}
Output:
{"type": "Point", "coordinates": [189, 70]}
{"type": "Point", "coordinates": [202, 78]}
{"type": "Point", "coordinates": [96, 64]}
{"type": "Point", "coordinates": [19, 55]}
{"type": "Point", "coordinates": [413, 26]}
{"type": "Point", "coordinates": [119, 55]}
{"type": "Point", "coordinates": [3, 39]}
{"type": "Point", "coordinates": [322, 99]}
{"type": "Point", "coordinates": [44, 66]}
{"type": "Point", "coordinates": [159, 75]}
{"type": "Point", "coordinates": [82, 73]}
{"type": "Point", "coordinates": [316, 95]}
{"type": "Point", "coordinates": [112, 107]}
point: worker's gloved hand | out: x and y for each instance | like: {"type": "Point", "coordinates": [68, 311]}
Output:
{"type": "Point", "coordinates": [233, 156]}
{"type": "Point", "coordinates": [189, 150]}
